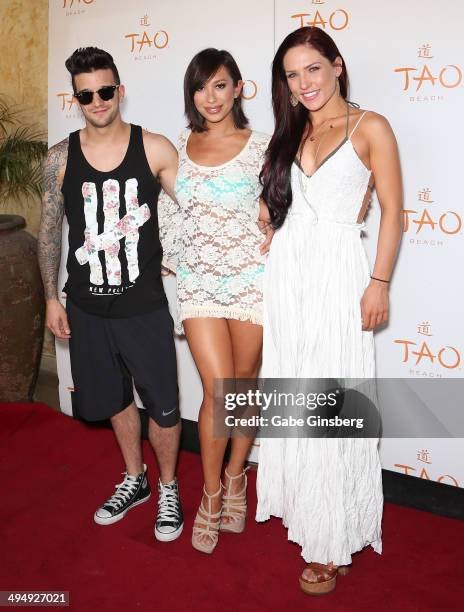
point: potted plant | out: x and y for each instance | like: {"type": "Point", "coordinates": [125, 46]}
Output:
{"type": "Point", "coordinates": [22, 149]}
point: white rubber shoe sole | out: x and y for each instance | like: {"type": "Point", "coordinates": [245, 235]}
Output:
{"type": "Point", "coordinates": [114, 519]}
{"type": "Point", "coordinates": [168, 537]}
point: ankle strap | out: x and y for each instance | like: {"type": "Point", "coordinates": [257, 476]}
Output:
{"type": "Point", "coordinates": [242, 473]}
{"type": "Point", "coordinates": [214, 494]}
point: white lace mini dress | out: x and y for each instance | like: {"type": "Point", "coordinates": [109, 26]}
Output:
{"type": "Point", "coordinates": [210, 237]}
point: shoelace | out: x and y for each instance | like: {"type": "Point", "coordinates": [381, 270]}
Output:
{"type": "Point", "coordinates": [124, 491]}
{"type": "Point", "coordinates": [168, 508]}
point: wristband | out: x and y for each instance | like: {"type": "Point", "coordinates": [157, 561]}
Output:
{"type": "Point", "coordinates": [380, 279]}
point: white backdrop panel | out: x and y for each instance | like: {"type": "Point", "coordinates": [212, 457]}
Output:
{"type": "Point", "coordinates": [152, 44]}
{"type": "Point", "coordinates": [378, 41]}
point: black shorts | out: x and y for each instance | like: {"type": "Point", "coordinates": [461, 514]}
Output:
{"type": "Point", "coordinates": [106, 354]}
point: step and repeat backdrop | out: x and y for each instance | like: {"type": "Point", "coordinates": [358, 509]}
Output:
{"type": "Point", "coordinates": [405, 62]}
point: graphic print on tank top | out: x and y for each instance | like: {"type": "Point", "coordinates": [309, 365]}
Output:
{"type": "Point", "coordinates": [114, 255]}
{"type": "Point", "coordinates": [115, 229]}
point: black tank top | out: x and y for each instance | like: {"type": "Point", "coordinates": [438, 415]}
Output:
{"type": "Point", "coordinates": [114, 259]}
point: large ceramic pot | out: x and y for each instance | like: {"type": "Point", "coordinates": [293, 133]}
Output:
{"type": "Point", "coordinates": [22, 311]}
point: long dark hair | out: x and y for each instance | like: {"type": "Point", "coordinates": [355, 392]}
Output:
{"type": "Point", "coordinates": [290, 122]}
{"type": "Point", "coordinates": [203, 66]}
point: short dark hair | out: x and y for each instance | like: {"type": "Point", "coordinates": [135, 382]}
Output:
{"type": "Point", "coordinates": [203, 66]}
{"type": "Point", "coordinates": [89, 59]}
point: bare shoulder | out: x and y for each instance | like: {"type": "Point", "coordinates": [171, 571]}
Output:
{"type": "Point", "coordinates": [376, 130]}
{"type": "Point", "coordinates": [161, 153]}
{"type": "Point", "coordinates": [157, 143]}
{"type": "Point", "coordinates": [375, 124]}
{"type": "Point", "coordinates": [54, 164]}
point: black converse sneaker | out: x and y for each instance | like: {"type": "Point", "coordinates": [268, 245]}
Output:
{"type": "Point", "coordinates": [134, 490]}
{"type": "Point", "coordinates": [170, 520]}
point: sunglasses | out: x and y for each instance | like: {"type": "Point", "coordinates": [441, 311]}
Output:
{"type": "Point", "coordinates": [106, 93]}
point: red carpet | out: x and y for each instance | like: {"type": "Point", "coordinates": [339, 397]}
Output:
{"type": "Point", "coordinates": [55, 472]}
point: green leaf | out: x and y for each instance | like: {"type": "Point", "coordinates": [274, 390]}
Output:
{"type": "Point", "coordinates": [22, 148]}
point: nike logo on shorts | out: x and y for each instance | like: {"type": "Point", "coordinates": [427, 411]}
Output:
{"type": "Point", "coordinates": [170, 412]}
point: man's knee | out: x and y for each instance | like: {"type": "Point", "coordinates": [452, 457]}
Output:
{"type": "Point", "coordinates": [165, 419]}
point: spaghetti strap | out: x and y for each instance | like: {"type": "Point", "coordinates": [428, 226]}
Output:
{"type": "Point", "coordinates": [347, 120]}
{"type": "Point", "coordinates": [357, 123]}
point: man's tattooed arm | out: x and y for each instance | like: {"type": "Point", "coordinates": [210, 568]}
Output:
{"type": "Point", "coordinates": [49, 239]}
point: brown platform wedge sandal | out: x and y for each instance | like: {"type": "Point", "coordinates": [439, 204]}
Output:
{"type": "Point", "coordinates": [234, 505]}
{"type": "Point", "coordinates": [326, 578]}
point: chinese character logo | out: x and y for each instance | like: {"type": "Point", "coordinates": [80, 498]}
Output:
{"type": "Point", "coordinates": [424, 195]}
{"type": "Point", "coordinates": [424, 51]}
{"type": "Point", "coordinates": [423, 455]}
{"type": "Point", "coordinates": [424, 328]}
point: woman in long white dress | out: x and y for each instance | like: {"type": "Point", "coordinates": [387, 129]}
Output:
{"type": "Point", "coordinates": [321, 303]}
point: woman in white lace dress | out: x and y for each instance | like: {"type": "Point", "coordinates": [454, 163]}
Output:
{"type": "Point", "coordinates": [321, 302]}
{"type": "Point", "coordinates": [212, 241]}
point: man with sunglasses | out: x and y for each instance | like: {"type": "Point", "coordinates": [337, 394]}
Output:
{"type": "Point", "coordinates": [106, 179]}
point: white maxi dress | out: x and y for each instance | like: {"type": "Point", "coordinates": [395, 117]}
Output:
{"type": "Point", "coordinates": [328, 492]}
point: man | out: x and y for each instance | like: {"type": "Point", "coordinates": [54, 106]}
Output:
{"type": "Point", "coordinates": [106, 178]}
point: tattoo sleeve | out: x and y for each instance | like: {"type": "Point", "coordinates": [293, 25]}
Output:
{"type": "Point", "coordinates": [49, 239]}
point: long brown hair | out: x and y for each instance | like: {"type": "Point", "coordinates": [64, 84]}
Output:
{"type": "Point", "coordinates": [290, 122]}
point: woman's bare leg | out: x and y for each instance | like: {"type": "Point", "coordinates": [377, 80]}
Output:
{"type": "Point", "coordinates": [247, 341]}
{"type": "Point", "coordinates": [211, 347]}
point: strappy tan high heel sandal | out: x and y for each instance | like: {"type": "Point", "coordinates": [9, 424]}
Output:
{"type": "Point", "coordinates": [206, 524]}
{"type": "Point", "coordinates": [234, 505]}
{"type": "Point", "coordinates": [326, 578]}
